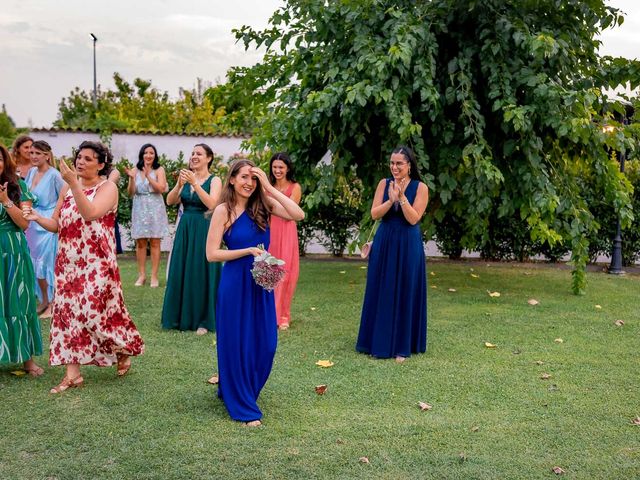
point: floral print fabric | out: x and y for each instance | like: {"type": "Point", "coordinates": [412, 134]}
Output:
{"type": "Point", "coordinates": [90, 323]}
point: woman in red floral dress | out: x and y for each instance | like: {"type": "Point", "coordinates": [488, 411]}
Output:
{"type": "Point", "coordinates": [90, 324]}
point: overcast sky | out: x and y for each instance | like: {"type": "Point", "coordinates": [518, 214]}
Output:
{"type": "Point", "coordinates": [46, 50]}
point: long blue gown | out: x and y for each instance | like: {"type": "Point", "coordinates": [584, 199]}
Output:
{"type": "Point", "coordinates": [394, 311]}
{"type": "Point", "coordinates": [245, 325]}
{"type": "Point", "coordinates": [43, 244]}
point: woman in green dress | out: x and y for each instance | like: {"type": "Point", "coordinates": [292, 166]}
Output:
{"type": "Point", "coordinates": [20, 337]}
{"type": "Point", "coordinates": [192, 283]}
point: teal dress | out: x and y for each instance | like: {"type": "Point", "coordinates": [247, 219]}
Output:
{"type": "Point", "coordinates": [20, 336]}
{"type": "Point", "coordinates": [192, 284]}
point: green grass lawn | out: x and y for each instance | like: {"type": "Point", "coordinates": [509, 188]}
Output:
{"type": "Point", "coordinates": [493, 415]}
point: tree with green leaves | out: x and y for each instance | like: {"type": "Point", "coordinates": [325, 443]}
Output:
{"type": "Point", "coordinates": [139, 106]}
{"type": "Point", "coordinates": [8, 129]}
{"type": "Point", "coordinates": [501, 99]}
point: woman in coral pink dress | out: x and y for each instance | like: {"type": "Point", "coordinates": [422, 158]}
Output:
{"type": "Point", "coordinates": [284, 237]}
{"type": "Point", "coordinates": [90, 324]}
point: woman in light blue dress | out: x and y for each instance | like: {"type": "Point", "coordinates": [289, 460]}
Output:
{"type": "Point", "coordinates": [45, 183]}
{"type": "Point", "coordinates": [149, 223]}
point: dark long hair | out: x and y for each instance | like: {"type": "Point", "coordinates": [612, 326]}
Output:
{"type": "Point", "coordinates": [103, 154]}
{"type": "Point", "coordinates": [45, 148]}
{"type": "Point", "coordinates": [207, 150]}
{"type": "Point", "coordinates": [257, 208]}
{"type": "Point", "coordinates": [407, 153]}
{"type": "Point", "coordinates": [283, 157]}
{"type": "Point", "coordinates": [156, 161]}
{"type": "Point", "coordinates": [9, 176]}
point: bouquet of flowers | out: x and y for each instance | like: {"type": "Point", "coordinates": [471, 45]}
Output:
{"type": "Point", "coordinates": [267, 271]}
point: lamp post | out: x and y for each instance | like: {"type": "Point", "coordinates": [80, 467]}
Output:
{"type": "Point", "coordinates": [616, 252]}
{"type": "Point", "coordinates": [95, 87]}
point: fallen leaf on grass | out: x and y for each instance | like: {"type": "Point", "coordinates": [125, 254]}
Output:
{"type": "Point", "coordinates": [434, 286]}
{"type": "Point", "coordinates": [452, 290]}
{"type": "Point", "coordinates": [489, 345]}
{"type": "Point", "coordinates": [363, 268]}
{"type": "Point", "coordinates": [475, 429]}
{"type": "Point", "coordinates": [18, 373]}
{"type": "Point", "coordinates": [493, 294]}
{"type": "Point", "coordinates": [343, 271]}
{"type": "Point", "coordinates": [324, 363]}
{"type": "Point", "coordinates": [462, 457]}
{"type": "Point", "coordinates": [636, 421]}
{"type": "Point", "coordinates": [539, 362]}
{"type": "Point", "coordinates": [619, 323]}
{"type": "Point", "coordinates": [545, 376]}
{"type": "Point", "coordinates": [320, 389]}
{"type": "Point", "coordinates": [363, 459]}
{"type": "Point", "coordinates": [339, 441]}
{"type": "Point", "coordinates": [425, 406]}
{"type": "Point", "coordinates": [558, 340]}
{"type": "Point", "coordinates": [557, 470]}
{"type": "Point", "coordinates": [475, 275]}
{"type": "Point", "coordinates": [313, 308]}
{"type": "Point", "coordinates": [533, 301]}
{"type": "Point", "coordinates": [433, 274]}
{"type": "Point", "coordinates": [598, 307]}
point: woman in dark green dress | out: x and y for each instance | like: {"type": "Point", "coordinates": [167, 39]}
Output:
{"type": "Point", "coordinates": [192, 283]}
{"type": "Point", "coordinates": [20, 336]}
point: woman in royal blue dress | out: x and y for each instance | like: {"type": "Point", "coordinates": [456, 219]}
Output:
{"type": "Point", "coordinates": [394, 312]}
{"type": "Point", "coordinates": [246, 324]}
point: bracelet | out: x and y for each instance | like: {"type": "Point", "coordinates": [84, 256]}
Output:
{"type": "Point", "coordinates": [8, 205]}
{"type": "Point", "coordinates": [402, 202]}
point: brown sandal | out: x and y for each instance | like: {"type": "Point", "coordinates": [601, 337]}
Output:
{"type": "Point", "coordinates": [68, 383]}
{"type": "Point", "coordinates": [213, 380]}
{"type": "Point", "coordinates": [32, 368]}
{"type": "Point", "coordinates": [124, 364]}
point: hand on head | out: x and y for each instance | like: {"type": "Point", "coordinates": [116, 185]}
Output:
{"type": "Point", "coordinates": [261, 176]}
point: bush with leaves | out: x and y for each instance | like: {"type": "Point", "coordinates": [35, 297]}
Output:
{"type": "Point", "coordinates": [502, 102]}
{"type": "Point", "coordinates": [333, 208]}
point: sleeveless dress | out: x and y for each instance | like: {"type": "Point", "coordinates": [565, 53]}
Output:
{"type": "Point", "coordinates": [20, 336]}
{"type": "Point", "coordinates": [43, 244]}
{"type": "Point", "coordinates": [394, 312]}
{"type": "Point", "coordinates": [148, 211]}
{"type": "Point", "coordinates": [284, 245]}
{"type": "Point", "coordinates": [90, 323]}
{"type": "Point", "coordinates": [192, 283]}
{"type": "Point", "coordinates": [246, 332]}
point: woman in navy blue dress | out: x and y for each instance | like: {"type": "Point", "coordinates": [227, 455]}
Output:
{"type": "Point", "coordinates": [246, 326]}
{"type": "Point", "coordinates": [394, 312]}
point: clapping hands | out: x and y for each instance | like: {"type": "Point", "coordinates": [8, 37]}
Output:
{"type": "Point", "coordinates": [131, 172]}
{"type": "Point", "coordinates": [187, 176]}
